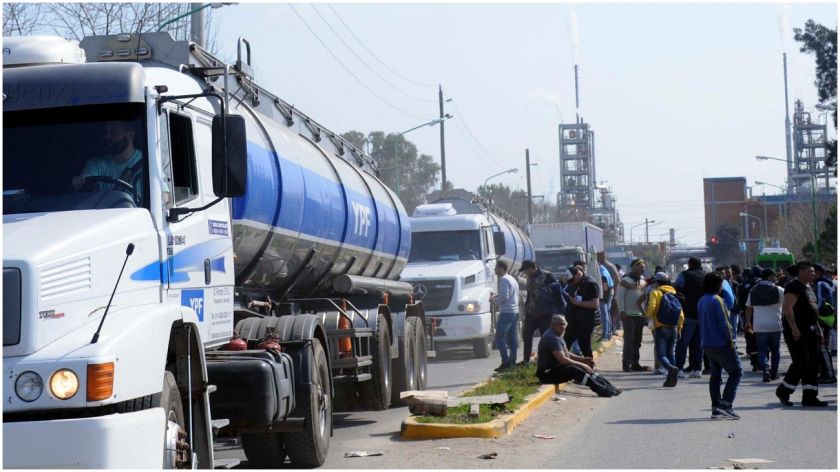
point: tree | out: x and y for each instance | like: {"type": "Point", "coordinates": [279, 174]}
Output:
{"type": "Point", "coordinates": [827, 240]}
{"type": "Point", "coordinates": [726, 250]}
{"type": "Point", "coordinates": [822, 42]}
{"type": "Point", "coordinates": [797, 227]}
{"type": "Point", "coordinates": [409, 174]}
{"type": "Point", "coordinates": [77, 20]}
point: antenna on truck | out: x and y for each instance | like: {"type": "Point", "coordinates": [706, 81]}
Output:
{"type": "Point", "coordinates": [128, 252]}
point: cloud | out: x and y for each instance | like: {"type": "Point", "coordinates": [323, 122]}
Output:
{"type": "Point", "coordinates": [783, 21]}
{"type": "Point", "coordinates": [572, 24]}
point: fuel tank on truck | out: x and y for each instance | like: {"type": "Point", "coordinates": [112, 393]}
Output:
{"type": "Point", "coordinates": [313, 209]}
{"type": "Point", "coordinates": [517, 245]}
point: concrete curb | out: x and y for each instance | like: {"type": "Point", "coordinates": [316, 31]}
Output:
{"type": "Point", "coordinates": [412, 429]}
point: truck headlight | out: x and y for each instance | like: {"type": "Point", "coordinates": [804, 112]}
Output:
{"type": "Point", "coordinates": [29, 386]}
{"type": "Point", "coordinates": [64, 384]}
{"type": "Point", "coordinates": [470, 307]}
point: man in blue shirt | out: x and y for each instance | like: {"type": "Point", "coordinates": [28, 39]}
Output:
{"type": "Point", "coordinates": [508, 323]}
{"type": "Point", "coordinates": [124, 161]}
{"type": "Point", "coordinates": [606, 302]}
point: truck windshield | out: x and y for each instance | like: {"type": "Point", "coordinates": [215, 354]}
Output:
{"type": "Point", "coordinates": [74, 158]}
{"type": "Point", "coordinates": [557, 261]}
{"type": "Point", "coordinates": [435, 246]}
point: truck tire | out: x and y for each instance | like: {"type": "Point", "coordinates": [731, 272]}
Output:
{"type": "Point", "coordinates": [264, 450]}
{"type": "Point", "coordinates": [404, 375]}
{"type": "Point", "coordinates": [170, 401]}
{"type": "Point", "coordinates": [308, 448]}
{"type": "Point", "coordinates": [483, 347]}
{"type": "Point", "coordinates": [419, 334]}
{"type": "Point", "coordinates": [376, 392]}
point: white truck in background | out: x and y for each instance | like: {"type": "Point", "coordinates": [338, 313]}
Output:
{"type": "Point", "coordinates": [558, 245]}
{"type": "Point", "coordinates": [455, 243]}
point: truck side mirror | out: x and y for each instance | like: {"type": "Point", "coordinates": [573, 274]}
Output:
{"type": "Point", "coordinates": [499, 242]}
{"type": "Point", "coordinates": [230, 156]}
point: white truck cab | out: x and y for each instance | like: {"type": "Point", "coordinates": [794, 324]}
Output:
{"type": "Point", "coordinates": [451, 266]}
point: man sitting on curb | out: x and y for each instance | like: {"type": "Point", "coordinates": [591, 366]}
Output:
{"type": "Point", "coordinates": [556, 365]}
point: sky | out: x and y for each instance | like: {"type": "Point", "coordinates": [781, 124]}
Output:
{"type": "Point", "coordinates": [674, 92]}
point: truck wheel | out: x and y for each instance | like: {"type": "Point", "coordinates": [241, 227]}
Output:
{"type": "Point", "coordinates": [419, 334]}
{"type": "Point", "coordinates": [176, 451]}
{"type": "Point", "coordinates": [264, 450]}
{"type": "Point", "coordinates": [376, 392]}
{"type": "Point", "coordinates": [308, 448]}
{"type": "Point", "coordinates": [404, 375]}
{"type": "Point", "coordinates": [483, 347]}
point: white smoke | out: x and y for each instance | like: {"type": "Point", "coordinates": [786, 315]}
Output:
{"type": "Point", "coordinates": [548, 98]}
{"type": "Point", "coordinates": [785, 30]}
{"type": "Point", "coordinates": [572, 24]}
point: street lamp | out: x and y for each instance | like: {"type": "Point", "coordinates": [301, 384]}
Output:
{"type": "Point", "coordinates": [758, 182]}
{"type": "Point", "coordinates": [760, 225]}
{"type": "Point", "coordinates": [396, 162]}
{"type": "Point", "coordinates": [509, 171]}
{"type": "Point", "coordinates": [636, 226]}
{"type": "Point", "coordinates": [813, 200]}
{"type": "Point", "coordinates": [196, 10]}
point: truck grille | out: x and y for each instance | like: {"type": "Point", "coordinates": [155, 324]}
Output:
{"type": "Point", "coordinates": [435, 294]}
{"type": "Point", "coordinates": [11, 307]}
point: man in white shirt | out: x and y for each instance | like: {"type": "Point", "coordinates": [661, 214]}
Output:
{"type": "Point", "coordinates": [764, 318]}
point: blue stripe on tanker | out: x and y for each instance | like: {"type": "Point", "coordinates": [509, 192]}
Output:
{"type": "Point", "coordinates": [313, 204]}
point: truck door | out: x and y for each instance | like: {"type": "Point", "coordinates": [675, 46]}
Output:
{"type": "Point", "coordinates": [198, 268]}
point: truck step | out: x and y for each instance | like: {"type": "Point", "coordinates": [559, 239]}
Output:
{"type": "Point", "coordinates": [211, 389]}
{"type": "Point", "coordinates": [219, 424]}
{"type": "Point", "coordinates": [225, 463]}
{"type": "Point", "coordinates": [430, 354]}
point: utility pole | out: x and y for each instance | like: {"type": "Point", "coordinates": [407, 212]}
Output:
{"type": "Point", "coordinates": [647, 241]}
{"type": "Point", "coordinates": [788, 138]}
{"type": "Point", "coordinates": [528, 178]}
{"type": "Point", "coordinates": [197, 24]}
{"type": "Point", "coordinates": [442, 141]}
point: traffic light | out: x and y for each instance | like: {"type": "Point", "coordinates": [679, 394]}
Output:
{"type": "Point", "coordinates": [714, 240]}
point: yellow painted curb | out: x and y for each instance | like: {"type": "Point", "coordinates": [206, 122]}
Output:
{"type": "Point", "coordinates": [412, 429]}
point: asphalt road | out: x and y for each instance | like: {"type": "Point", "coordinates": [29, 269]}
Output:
{"type": "Point", "coordinates": [646, 427]}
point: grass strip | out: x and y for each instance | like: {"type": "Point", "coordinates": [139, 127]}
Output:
{"type": "Point", "coordinates": [518, 382]}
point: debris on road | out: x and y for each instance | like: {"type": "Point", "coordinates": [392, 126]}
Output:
{"type": "Point", "coordinates": [543, 436]}
{"type": "Point", "coordinates": [426, 402]}
{"type": "Point", "coordinates": [443, 448]}
{"type": "Point", "coordinates": [558, 398]}
{"type": "Point", "coordinates": [478, 400]}
{"type": "Point", "coordinates": [491, 455]}
{"type": "Point", "coordinates": [731, 435]}
{"type": "Point", "coordinates": [750, 461]}
{"type": "Point", "coordinates": [362, 453]}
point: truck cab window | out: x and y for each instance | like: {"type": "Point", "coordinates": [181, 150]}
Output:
{"type": "Point", "coordinates": [184, 174]}
{"type": "Point", "coordinates": [75, 158]}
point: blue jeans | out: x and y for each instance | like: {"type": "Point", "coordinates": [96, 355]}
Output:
{"type": "Point", "coordinates": [768, 344]}
{"type": "Point", "coordinates": [723, 358]}
{"type": "Point", "coordinates": [665, 340]}
{"type": "Point", "coordinates": [507, 332]}
{"type": "Point", "coordinates": [689, 343]}
{"type": "Point", "coordinates": [606, 329]}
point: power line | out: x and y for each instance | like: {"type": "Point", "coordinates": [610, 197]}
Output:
{"type": "Point", "coordinates": [374, 55]}
{"type": "Point", "coordinates": [474, 149]}
{"type": "Point", "coordinates": [459, 116]}
{"type": "Point", "coordinates": [360, 81]}
{"type": "Point", "coordinates": [398, 89]}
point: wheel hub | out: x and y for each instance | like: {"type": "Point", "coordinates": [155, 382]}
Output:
{"type": "Point", "coordinates": [177, 450]}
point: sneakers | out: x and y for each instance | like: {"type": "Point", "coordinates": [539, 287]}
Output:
{"type": "Point", "coordinates": [625, 368]}
{"type": "Point", "coordinates": [660, 371]}
{"type": "Point", "coordinates": [827, 380]}
{"type": "Point", "coordinates": [503, 367]}
{"type": "Point", "coordinates": [765, 377]}
{"type": "Point", "coordinates": [671, 381]}
{"type": "Point", "coordinates": [639, 368]}
{"type": "Point", "coordinates": [724, 414]}
{"type": "Point", "coordinates": [695, 374]}
{"type": "Point", "coordinates": [681, 374]}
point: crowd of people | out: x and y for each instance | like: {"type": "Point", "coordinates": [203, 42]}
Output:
{"type": "Point", "coordinates": [696, 320]}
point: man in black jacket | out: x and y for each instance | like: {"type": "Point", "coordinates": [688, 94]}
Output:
{"type": "Point", "coordinates": [690, 285]}
{"type": "Point", "coordinates": [540, 305]}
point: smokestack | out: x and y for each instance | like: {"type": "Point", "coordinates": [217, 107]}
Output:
{"type": "Point", "coordinates": [577, 96]}
{"type": "Point", "coordinates": [788, 151]}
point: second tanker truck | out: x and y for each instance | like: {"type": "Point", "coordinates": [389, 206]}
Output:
{"type": "Point", "coordinates": [185, 254]}
{"type": "Point", "coordinates": [456, 239]}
